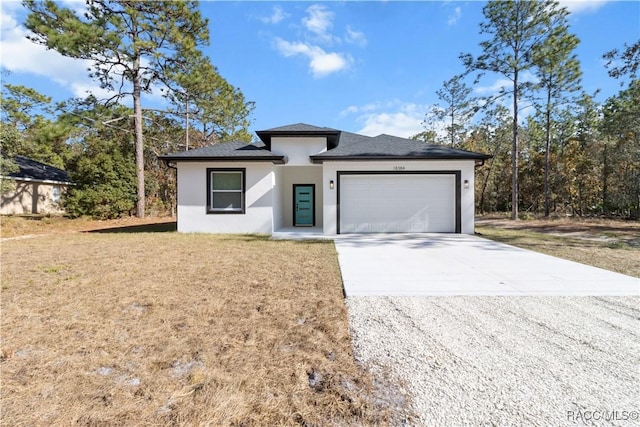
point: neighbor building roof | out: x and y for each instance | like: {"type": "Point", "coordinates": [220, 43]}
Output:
{"type": "Point", "coordinates": [32, 170]}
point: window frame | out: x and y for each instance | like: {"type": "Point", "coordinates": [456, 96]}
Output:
{"type": "Point", "coordinates": [56, 194]}
{"type": "Point", "coordinates": [210, 191]}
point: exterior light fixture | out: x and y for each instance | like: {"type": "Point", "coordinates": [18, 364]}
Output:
{"type": "Point", "coordinates": [466, 183]}
{"type": "Point", "coordinates": [331, 185]}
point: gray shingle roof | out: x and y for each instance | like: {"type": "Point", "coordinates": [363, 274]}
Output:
{"type": "Point", "coordinates": [353, 147]}
{"type": "Point", "coordinates": [36, 171]}
{"type": "Point", "coordinates": [341, 146]}
{"type": "Point", "coordinates": [226, 151]}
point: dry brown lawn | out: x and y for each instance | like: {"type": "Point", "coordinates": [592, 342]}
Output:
{"type": "Point", "coordinates": [179, 329]}
{"type": "Point", "coordinates": [610, 244]}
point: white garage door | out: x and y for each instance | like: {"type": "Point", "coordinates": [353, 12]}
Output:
{"type": "Point", "coordinates": [397, 203]}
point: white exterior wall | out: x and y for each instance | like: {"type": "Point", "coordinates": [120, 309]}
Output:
{"type": "Point", "coordinates": [298, 149]}
{"type": "Point", "coordinates": [278, 213]}
{"type": "Point", "coordinates": [466, 167]}
{"type": "Point", "coordinates": [192, 199]}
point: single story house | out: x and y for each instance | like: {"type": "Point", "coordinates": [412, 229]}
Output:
{"type": "Point", "coordinates": [303, 178]}
{"type": "Point", "coordinates": [38, 188]}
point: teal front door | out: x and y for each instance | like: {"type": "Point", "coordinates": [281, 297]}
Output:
{"type": "Point", "coordinates": [303, 205]}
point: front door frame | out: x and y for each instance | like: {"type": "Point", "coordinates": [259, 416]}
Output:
{"type": "Point", "coordinates": [313, 205]}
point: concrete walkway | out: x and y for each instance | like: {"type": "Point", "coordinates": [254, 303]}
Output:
{"type": "Point", "coordinates": [459, 264]}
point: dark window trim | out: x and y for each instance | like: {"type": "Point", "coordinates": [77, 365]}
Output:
{"type": "Point", "coordinates": [458, 189]}
{"type": "Point", "coordinates": [244, 191]}
{"type": "Point", "coordinates": [293, 218]}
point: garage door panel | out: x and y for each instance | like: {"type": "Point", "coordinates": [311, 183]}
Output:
{"type": "Point", "coordinates": [397, 203]}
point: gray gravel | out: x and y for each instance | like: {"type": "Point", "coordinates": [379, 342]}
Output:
{"type": "Point", "coordinates": [506, 360]}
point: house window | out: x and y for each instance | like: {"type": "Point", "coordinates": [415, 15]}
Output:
{"type": "Point", "coordinates": [225, 191]}
{"type": "Point", "coordinates": [55, 194]}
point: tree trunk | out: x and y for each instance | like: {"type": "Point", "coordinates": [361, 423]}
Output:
{"type": "Point", "coordinates": [547, 146]}
{"type": "Point", "coordinates": [514, 148]}
{"type": "Point", "coordinates": [605, 182]}
{"type": "Point", "coordinates": [139, 142]}
{"type": "Point", "coordinates": [453, 137]}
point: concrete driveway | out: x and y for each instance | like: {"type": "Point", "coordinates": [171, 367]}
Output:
{"type": "Point", "coordinates": [459, 264]}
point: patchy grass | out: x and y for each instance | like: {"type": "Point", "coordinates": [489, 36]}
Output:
{"type": "Point", "coordinates": [178, 329]}
{"type": "Point", "coordinates": [610, 244]}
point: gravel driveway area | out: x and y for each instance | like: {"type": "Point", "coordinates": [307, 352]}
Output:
{"type": "Point", "coordinates": [488, 360]}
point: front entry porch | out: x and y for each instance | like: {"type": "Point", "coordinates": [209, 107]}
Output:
{"type": "Point", "coordinates": [300, 233]}
{"type": "Point", "coordinates": [298, 201]}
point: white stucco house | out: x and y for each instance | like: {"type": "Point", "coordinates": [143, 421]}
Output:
{"type": "Point", "coordinates": [307, 179]}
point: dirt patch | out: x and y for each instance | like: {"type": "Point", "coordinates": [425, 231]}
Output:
{"type": "Point", "coordinates": [610, 244]}
{"type": "Point", "coordinates": [179, 329]}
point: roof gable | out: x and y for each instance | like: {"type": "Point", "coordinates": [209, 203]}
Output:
{"type": "Point", "coordinates": [300, 129]}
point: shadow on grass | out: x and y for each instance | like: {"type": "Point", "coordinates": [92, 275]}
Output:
{"type": "Point", "coordinates": [240, 237]}
{"type": "Point", "coordinates": [165, 227]}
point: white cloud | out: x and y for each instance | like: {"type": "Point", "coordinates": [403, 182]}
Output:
{"type": "Point", "coordinates": [276, 16]}
{"type": "Point", "coordinates": [22, 55]}
{"type": "Point", "coordinates": [317, 32]}
{"type": "Point", "coordinates": [318, 21]}
{"type": "Point", "coordinates": [391, 117]}
{"type": "Point", "coordinates": [455, 16]}
{"type": "Point", "coordinates": [524, 109]}
{"type": "Point", "coordinates": [321, 63]}
{"type": "Point", "coordinates": [577, 6]}
{"type": "Point", "coordinates": [367, 108]}
{"type": "Point", "coordinates": [82, 89]}
{"type": "Point", "coordinates": [78, 6]}
{"type": "Point", "coordinates": [355, 37]}
{"type": "Point", "coordinates": [495, 88]}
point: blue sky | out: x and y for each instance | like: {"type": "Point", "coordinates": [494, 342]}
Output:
{"type": "Point", "coordinates": [366, 67]}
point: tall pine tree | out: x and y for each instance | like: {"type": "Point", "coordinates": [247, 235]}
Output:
{"type": "Point", "coordinates": [133, 45]}
{"type": "Point", "coordinates": [558, 72]}
{"type": "Point", "coordinates": [514, 29]}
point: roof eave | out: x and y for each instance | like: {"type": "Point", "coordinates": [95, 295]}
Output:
{"type": "Point", "coordinates": [36, 180]}
{"type": "Point", "coordinates": [321, 159]}
{"type": "Point", "coordinates": [276, 160]}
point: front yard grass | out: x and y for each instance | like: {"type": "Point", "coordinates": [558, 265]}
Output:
{"type": "Point", "coordinates": [608, 244]}
{"type": "Point", "coordinates": [179, 329]}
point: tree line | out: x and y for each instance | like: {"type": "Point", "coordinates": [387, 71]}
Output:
{"type": "Point", "coordinates": [135, 47]}
{"type": "Point", "coordinates": [569, 154]}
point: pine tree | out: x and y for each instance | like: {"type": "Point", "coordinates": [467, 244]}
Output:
{"type": "Point", "coordinates": [514, 28]}
{"type": "Point", "coordinates": [133, 45]}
